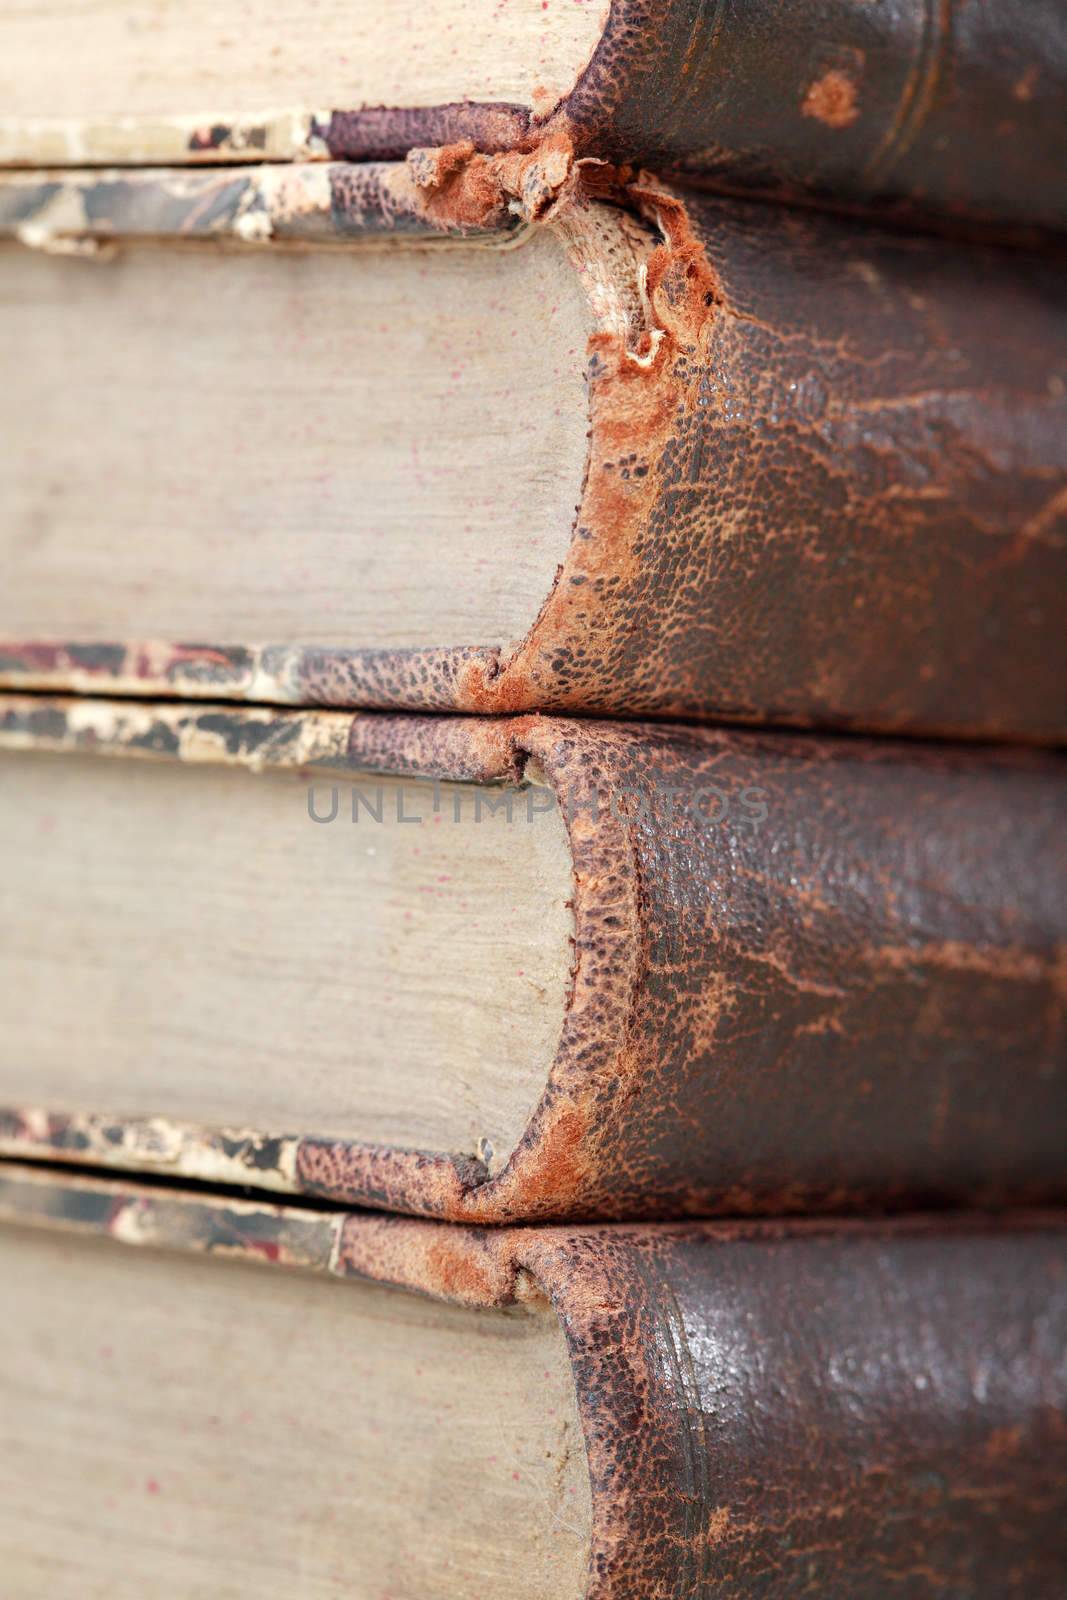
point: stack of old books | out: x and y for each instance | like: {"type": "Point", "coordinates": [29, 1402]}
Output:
{"type": "Point", "coordinates": [533, 1052]}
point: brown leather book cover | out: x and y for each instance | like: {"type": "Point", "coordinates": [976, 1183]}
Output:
{"type": "Point", "coordinates": [925, 109]}
{"type": "Point", "coordinates": [840, 1409]}
{"type": "Point", "coordinates": [825, 480]}
{"type": "Point", "coordinates": [804, 973]}
{"type": "Point", "coordinates": [922, 108]}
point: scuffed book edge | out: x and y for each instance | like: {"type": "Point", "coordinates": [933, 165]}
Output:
{"type": "Point", "coordinates": [653, 293]}
{"type": "Point", "coordinates": [555, 1165]}
{"type": "Point", "coordinates": [686, 948]}
{"type": "Point", "coordinates": [712, 98]}
{"type": "Point", "coordinates": [689, 589]}
{"type": "Point", "coordinates": [655, 1525]}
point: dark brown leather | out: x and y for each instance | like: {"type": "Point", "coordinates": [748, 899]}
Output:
{"type": "Point", "coordinates": [838, 497]}
{"type": "Point", "coordinates": [845, 1411]}
{"type": "Point", "coordinates": [950, 108]}
{"type": "Point", "coordinates": [931, 111]}
{"type": "Point", "coordinates": [835, 493]}
{"type": "Point", "coordinates": [807, 973]}
{"type": "Point", "coordinates": [847, 1416]}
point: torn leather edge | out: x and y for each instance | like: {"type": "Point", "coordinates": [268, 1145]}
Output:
{"type": "Point", "coordinates": [638, 92]}
{"type": "Point", "coordinates": [650, 318]}
{"type": "Point", "coordinates": [615, 1306]}
{"type": "Point", "coordinates": [449, 190]}
{"type": "Point", "coordinates": [564, 1153]}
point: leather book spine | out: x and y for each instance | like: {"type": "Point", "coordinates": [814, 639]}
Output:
{"type": "Point", "coordinates": [826, 474]}
{"type": "Point", "coordinates": [933, 113]}
{"type": "Point", "coordinates": [839, 1408]}
{"type": "Point", "coordinates": [927, 110]}
{"type": "Point", "coordinates": [807, 974]}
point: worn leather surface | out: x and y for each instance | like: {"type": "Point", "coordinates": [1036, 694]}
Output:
{"type": "Point", "coordinates": [827, 480]}
{"type": "Point", "coordinates": [837, 496]}
{"type": "Point", "coordinates": [843, 1416]}
{"type": "Point", "coordinates": [931, 111]}
{"type": "Point", "coordinates": [807, 973]}
{"type": "Point", "coordinates": [837, 1410]}
{"type": "Point", "coordinates": [922, 108]}
{"type": "Point", "coordinates": [936, 106]}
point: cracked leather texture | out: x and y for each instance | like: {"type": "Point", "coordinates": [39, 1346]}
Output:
{"type": "Point", "coordinates": [808, 974]}
{"type": "Point", "coordinates": [841, 1410]}
{"type": "Point", "coordinates": [834, 496]}
{"type": "Point", "coordinates": [926, 109]}
{"type": "Point", "coordinates": [839, 497]}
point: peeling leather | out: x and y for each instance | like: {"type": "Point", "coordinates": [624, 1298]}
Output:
{"type": "Point", "coordinates": [927, 110]}
{"type": "Point", "coordinates": [932, 112]}
{"type": "Point", "coordinates": [857, 1000]}
{"type": "Point", "coordinates": [826, 474]}
{"type": "Point", "coordinates": [767, 1409]}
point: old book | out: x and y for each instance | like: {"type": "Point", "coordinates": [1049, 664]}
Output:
{"type": "Point", "coordinates": [641, 456]}
{"type": "Point", "coordinates": [938, 109]}
{"type": "Point", "coordinates": [246, 1403]}
{"type": "Point", "coordinates": [495, 969]}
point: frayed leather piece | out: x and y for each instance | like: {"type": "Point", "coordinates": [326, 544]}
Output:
{"type": "Point", "coordinates": [460, 188]}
